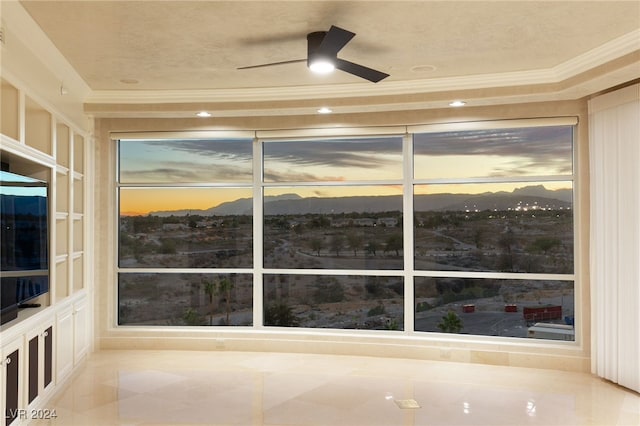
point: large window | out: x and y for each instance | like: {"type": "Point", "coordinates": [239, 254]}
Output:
{"type": "Point", "coordinates": [187, 205]}
{"type": "Point", "coordinates": [492, 208]}
{"type": "Point", "coordinates": [320, 236]}
{"type": "Point", "coordinates": [333, 205]}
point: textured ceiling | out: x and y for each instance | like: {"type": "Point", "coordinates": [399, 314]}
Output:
{"type": "Point", "coordinates": [157, 58]}
{"type": "Point", "coordinates": [185, 45]}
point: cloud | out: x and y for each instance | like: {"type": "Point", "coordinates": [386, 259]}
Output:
{"type": "Point", "coordinates": [227, 148]}
{"type": "Point", "coordinates": [540, 144]}
{"type": "Point", "coordinates": [548, 149]}
{"type": "Point", "coordinates": [529, 168]}
{"type": "Point", "coordinates": [359, 153]}
{"type": "Point", "coordinates": [184, 172]}
{"type": "Point", "coordinates": [277, 175]}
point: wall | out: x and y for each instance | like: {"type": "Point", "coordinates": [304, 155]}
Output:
{"type": "Point", "coordinates": [573, 357]}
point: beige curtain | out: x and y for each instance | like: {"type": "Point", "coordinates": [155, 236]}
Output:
{"type": "Point", "coordinates": [614, 150]}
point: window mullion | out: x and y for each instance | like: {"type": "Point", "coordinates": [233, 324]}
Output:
{"type": "Point", "coordinates": [258, 235]}
{"type": "Point", "coordinates": [407, 231]}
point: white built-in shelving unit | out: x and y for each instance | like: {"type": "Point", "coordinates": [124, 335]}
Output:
{"type": "Point", "coordinates": [40, 348]}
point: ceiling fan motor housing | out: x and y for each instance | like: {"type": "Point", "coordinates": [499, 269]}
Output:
{"type": "Point", "coordinates": [313, 43]}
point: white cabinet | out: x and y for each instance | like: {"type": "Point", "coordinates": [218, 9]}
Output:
{"type": "Point", "coordinates": [41, 347]}
{"type": "Point", "coordinates": [64, 343]}
{"type": "Point", "coordinates": [72, 337]}
{"type": "Point", "coordinates": [11, 381]}
{"type": "Point", "coordinates": [81, 330]}
{"type": "Point", "coordinates": [38, 362]}
{"type": "Point", "coordinates": [27, 367]}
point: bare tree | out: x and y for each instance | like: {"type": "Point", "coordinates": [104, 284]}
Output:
{"type": "Point", "coordinates": [316, 245]}
{"type": "Point", "coordinates": [394, 243]}
{"type": "Point", "coordinates": [336, 243]}
{"type": "Point", "coordinates": [354, 240]}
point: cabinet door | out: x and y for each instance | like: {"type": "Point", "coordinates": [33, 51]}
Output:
{"type": "Point", "coordinates": [34, 364]}
{"type": "Point", "coordinates": [81, 329]}
{"type": "Point", "coordinates": [48, 356]}
{"type": "Point", "coordinates": [39, 362]}
{"type": "Point", "coordinates": [12, 369]}
{"type": "Point", "coordinates": [64, 345]}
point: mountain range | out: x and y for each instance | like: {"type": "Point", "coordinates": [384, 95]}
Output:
{"type": "Point", "coordinates": [293, 204]}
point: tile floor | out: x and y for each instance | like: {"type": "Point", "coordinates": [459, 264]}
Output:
{"type": "Point", "coordinates": [240, 388]}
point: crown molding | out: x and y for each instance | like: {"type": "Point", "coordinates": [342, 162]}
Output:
{"type": "Point", "coordinates": [574, 89]}
{"type": "Point", "coordinates": [610, 51]}
{"type": "Point", "coordinates": [327, 93]}
{"type": "Point", "coordinates": [607, 52]}
{"type": "Point", "coordinates": [334, 91]}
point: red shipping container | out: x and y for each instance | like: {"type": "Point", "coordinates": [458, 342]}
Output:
{"type": "Point", "coordinates": [467, 309]}
{"type": "Point", "coordinates": [541, 313]}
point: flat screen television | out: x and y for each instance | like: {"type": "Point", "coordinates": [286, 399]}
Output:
{"type": "Point", "coordinates": [24, 242]}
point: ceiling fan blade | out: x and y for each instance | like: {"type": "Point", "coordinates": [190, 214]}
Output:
{"type": "Point", "coordinates": [360, 70]}
{"type": "Point", "coordinates": [293, 61]}
{"type": "Point", "coordinates": [334, 40]}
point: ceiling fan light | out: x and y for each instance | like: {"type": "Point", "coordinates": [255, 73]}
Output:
{"type": "Point", "coordinates": [321, 66]}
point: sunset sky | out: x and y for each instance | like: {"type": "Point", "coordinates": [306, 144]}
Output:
{"type": "Point", "coordinates": [517, 153]}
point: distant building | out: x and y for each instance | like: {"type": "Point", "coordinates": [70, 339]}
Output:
{"type": "Point", "coordinates": [363, 222]}
{"type": "Point", "coordinates": [174, 226]}
{"type": "Point", "coordinates": [388, 221]}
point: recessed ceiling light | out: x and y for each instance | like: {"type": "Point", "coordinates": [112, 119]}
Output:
{"type": "Point", "coordinates": [204, 114]}
{"type": "Point", "coordinates": [457, 103]}
{"type": "Point", "coordinates": [325, 110]}
{"type": "Point", "coordinates": [423, 68]}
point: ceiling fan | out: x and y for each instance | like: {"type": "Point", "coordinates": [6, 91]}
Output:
{"type": "Point", "coordinates": [322, 55]}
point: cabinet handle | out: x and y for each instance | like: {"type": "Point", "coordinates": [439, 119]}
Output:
{"type": "Point", "coordinates": [7, 361]}
{"type": "Point", "coordinates": [45, 334]}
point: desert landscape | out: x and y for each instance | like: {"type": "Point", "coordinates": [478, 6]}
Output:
{"type": "Point", "coordinates": [523, 233]}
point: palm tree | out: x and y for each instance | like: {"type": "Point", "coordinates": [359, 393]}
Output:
{"type": "Point", "coordinates": [451, 323]}
{"type": "Point", "coordinates": [224, 287]}
{"type": "Point", "coordinates": [210, 290]}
